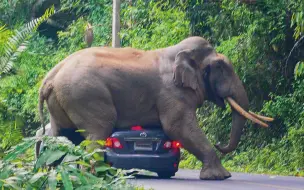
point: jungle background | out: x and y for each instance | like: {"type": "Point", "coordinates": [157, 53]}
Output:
{"type": "Point", "coordinates": [263, 39]}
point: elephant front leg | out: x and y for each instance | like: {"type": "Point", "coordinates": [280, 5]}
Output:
{"type": "Point", "coordinates": [182, 125]}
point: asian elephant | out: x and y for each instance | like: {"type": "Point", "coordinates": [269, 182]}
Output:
{"type": "Point", "coordinates": [99, 88]}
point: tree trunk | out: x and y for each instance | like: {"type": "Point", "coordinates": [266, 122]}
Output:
{"type": "Point", "coordinates": [116, 24]}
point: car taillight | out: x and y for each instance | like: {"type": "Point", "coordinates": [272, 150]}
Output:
{"type": "Point", "coordinates": [167, 144]}
{"type": "Point", "coordinates": [173, 145]}
{"type": "Point", "coordinates": [176, 144]}
{"type": "Point", "coordinates": [113, 143]}
{"type": "Point", "coordinates": [136, 128]}
{"type": "Point", "coordinates": [109, 143]}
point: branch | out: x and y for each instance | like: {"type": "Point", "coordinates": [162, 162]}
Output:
{"type": "Point", "coordinates": [294, 47]}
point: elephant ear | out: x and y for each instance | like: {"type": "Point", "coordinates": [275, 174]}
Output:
{"type": "Point", "coordinates": [185, 71]}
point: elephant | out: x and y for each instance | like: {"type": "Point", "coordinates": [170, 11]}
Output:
{"type": "Point", "coordinates": [99, 88]}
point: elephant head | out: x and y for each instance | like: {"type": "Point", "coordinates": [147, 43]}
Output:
{"type": "Point", "coordinates": [211, 75]}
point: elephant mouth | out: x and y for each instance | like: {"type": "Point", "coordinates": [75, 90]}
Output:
{"type": "Point", "coordinates": [256, 118]}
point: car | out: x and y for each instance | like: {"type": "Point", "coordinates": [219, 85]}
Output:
{"type": "Point", "coordinates": [143, 147]}
{"type": "Point", "coordinates": [136, 147]}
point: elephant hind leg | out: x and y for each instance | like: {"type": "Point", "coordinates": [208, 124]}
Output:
{"type": "Point", "coordinates": [85, 108]}
{"type": "Point", "coordinates": [98, 122]}
{"type": "Point", "coordinates": [181, 124]}
{"type": "Point", "coordinates": [95, 113]}
{"type": "Point", "coordinates": [58, 117]}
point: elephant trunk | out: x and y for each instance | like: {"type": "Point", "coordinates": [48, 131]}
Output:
{"type": "Point", "coordinates": [238, 119]}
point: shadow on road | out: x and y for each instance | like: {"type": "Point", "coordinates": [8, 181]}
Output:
{"type": "Point", "coordinates": [174, 178]}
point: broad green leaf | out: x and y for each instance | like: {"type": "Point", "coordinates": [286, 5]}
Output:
{"type": "Point", "coordinates": [101, 142]}
{"type": "Point", "coordinates": [102, 168]}
{"type": "Point", "coordinates": [92, 178]}
{"type": "Point", "coordinates": [14, 186]}
{"type": "Point", "coordinates": [6, 171]}
{"type": "Point", "coordinates": [70, 158]}
{"type": "Point", "coordinates": [112, 171]}
{"type": "Point", "coordinates": [52, 179]}
{"type": "Point", "coordinates": [86, 187]}
{"type": "Point", "coordinates": [96, 154]}
{"type": "Point", "coordinates": [43, 158]}
{"type": "Point", "coordinates": [12, 182]}
{"type": "Point", "coordinates": [65, 179]}
{"type": "Point", "coordinates": [19, 149]}
{"type": "Point", "coordinates": [36, 177]}
{"type": "Point", "coordinates": [78, 173]}
{"type": "Point", "coordinates": [86, 142]}
{"type": "Point", "coordinates": [83, 163]}
{"type": "Point", "coordinates": [54, 156]}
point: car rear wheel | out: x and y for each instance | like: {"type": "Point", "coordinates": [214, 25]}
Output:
{"type": "Point", "coordinates": [165, 175]}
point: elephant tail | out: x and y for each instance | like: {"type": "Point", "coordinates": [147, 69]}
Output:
{"type": "Point", "coordinates": [40, 107]}
{"type": "Point", "coordinates": [45, 90]}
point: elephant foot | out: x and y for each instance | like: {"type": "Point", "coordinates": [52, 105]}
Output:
{"type": "Point", "coordinates": [214, 173]}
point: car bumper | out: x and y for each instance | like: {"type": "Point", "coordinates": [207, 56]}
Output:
{"type": "Point", "coordinates": [167, 162]}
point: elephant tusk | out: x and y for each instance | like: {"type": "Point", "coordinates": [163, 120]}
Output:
{"type": "Point", "coordinates": [261, 117]}
{"type": "Point", "coordinates": [245, 113]}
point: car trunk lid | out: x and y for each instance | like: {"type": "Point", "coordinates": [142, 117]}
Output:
{"type": "Point", "coordinates": [146, 141]}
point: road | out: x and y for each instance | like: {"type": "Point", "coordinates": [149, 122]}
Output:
{"type": "Point", "coordinates": [188, 180]}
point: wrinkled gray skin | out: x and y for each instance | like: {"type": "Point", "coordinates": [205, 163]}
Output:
{"type": "Point", "coordinates": [98, 88]}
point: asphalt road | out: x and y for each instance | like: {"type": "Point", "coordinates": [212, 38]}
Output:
{"type": "Point", "coordinates": [188, 180]}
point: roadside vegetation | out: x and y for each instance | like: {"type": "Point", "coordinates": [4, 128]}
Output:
{"type": "Point", "coordinates": [264, 40]}
{"type": "Point", "coordinates": [18, 170]}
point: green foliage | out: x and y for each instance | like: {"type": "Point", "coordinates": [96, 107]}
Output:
{"type": "Point", "coordinates": [18, 169]}
{"type": "Point", "coordinates": [71, 39]}
{"type": "Point", "coordinates": [297, 19]}
{"type": "Point", "coordinates": [148, 26]}
{"type": "Point", "coordinates": [15, 12]}
{"type": "Point", "coordinates": [189, 161]}
{"type": "Point", "coordinates": [18, 107]}
{"type": "Point", "coordinates": [16, 44]}
{"type": "Point", "coordinates": [299, 70]}
{"type": "Point", "coordinates": [284, 157]}
{"type": "Point", "coordinates": [5, 34]}
{"type": "Point", "coordinates": [101, 19]}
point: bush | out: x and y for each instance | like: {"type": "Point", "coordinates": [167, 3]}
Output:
{"type": "Point", "coordinates": [19, 170]}
{"type": "Point", "coordinates": [153, 25]}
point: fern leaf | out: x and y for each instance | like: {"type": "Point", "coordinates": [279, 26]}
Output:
{"type": "Point", "coordinates": [15, 44]}
{"type": "Point", "coordinates": [2, 28]}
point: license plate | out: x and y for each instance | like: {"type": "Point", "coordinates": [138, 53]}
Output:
{"type": "Point", "coordinates": [142, 145]}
